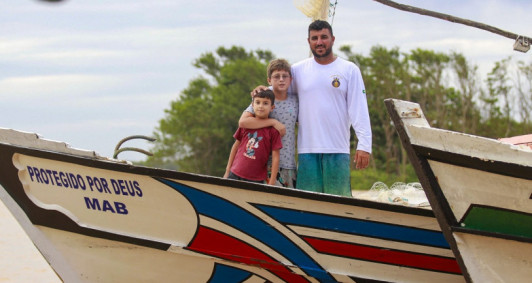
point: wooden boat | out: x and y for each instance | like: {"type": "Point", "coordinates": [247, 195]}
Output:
{"type": "Point", "coordinates": [480, 190]}
{"type": "Point", "coordinates": [106, 220]}
{"type": "Point", "coordinates": [524, 140]}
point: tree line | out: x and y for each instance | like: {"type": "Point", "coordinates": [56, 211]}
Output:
{"type": "Point", "coordinates": [195, 134]}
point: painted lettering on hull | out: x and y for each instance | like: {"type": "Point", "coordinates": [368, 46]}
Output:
{"type": "Point", "coordinates": [105, 205]}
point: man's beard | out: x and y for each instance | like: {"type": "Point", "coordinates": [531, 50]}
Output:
{"type": "Point", "coordinates": [327, 53]}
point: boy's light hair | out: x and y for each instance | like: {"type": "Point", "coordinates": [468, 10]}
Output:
{"type": "Point", "coordinates": [267, 93]}
{"type": "Point", "coordinates": [278, 65]}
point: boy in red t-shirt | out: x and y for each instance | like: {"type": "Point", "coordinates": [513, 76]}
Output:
{"type": "Point", "coordinates": [249, 155]}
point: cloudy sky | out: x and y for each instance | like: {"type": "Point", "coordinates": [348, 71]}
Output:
{"type": "Point", "coordinates": [91, 72]}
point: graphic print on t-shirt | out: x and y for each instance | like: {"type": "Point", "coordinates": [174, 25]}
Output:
{"type": "Point", "coordinates": [335, 82]}
{"type": "Point", "coordinates": [253, 143]}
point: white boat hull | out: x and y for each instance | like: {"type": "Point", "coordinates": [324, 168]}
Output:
{"type": "Point", "coordinates": [481, 192]}
{"type": "Point", "coordinates": [100, 220]}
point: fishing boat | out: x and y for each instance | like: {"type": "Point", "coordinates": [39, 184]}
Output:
{"type": "Point", "coordinates": [99, 219]}
{"type": "Point", "coordinates": [480, 190]}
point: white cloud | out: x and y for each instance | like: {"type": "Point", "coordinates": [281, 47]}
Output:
{"type": "Point", "coordinates": [10, 47]}
{"type": "Point", "coordinates": [60, 85]}
{"type": "Point", "coordinates": [76, 56]}
{"type": "Point", "coordinates": [92, 72]}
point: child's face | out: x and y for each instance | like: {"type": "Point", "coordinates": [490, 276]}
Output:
{"type": "Point", "coordinates": [280, 81]}
{"type": "Point", "coordinates": [262, 107]}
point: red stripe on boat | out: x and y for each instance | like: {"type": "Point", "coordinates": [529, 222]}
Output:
{"type": "Point", "coordinates": [386, 256]}
{"type": "Point", "coordinates": [215, 243]}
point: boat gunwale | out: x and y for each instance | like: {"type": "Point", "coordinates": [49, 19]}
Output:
{"type": "Point", "coordinates": [213, 180]}
{"type": "Point", "coordinates": [492, 166]}
{"type": "Point", "coordinates": [57, 220]}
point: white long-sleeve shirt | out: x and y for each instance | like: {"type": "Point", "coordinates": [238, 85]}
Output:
{"type": "Point", "coordinates": [332, 98]}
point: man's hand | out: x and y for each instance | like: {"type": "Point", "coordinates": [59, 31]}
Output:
{"type": "Point", "coordinates": [258, 89]}
{"type": "Point", "coordinates": [361, 159]}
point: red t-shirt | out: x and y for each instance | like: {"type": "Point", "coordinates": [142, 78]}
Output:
{"type": "Point", "coordinates": [251, 159]}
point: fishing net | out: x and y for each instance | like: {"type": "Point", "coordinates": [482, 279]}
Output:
{"type": "Point", "coordinates": [314, 9]}
{"type": "Point", "coordinates": [410, 194]}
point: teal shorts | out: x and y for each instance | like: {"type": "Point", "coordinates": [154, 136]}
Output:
{"type": "Point", "coordinates": [324, 173]}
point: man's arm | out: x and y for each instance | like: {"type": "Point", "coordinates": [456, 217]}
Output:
{"type": "Point", "coordinates": [359, 115]}
{"type": "Point", "coordinates": [248, 121]}
{"type": "Point", "coordinates": [232, 155]}
{"type": "Point", "coordinates": [275, 166]}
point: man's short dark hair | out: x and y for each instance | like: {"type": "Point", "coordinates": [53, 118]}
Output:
{"type": "Point", "coordinates": [318, 25]}
{"type": "Point", "coordinates": [267, 93]}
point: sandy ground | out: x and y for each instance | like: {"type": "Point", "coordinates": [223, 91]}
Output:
{"type": "Point", "coordinates": [20, 261]}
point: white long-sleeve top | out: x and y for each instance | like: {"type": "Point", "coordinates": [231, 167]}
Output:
{"type": "Point", "coordinates": [332, 98]}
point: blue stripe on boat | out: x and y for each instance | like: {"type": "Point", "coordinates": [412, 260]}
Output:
{"type": "Point", "coordinates": [356, 226]}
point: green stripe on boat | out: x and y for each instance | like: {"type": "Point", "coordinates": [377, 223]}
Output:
{"type": "Point", "coordinates": [497, 220]}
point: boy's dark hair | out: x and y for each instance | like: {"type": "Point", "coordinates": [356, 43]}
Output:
{"type": "Point", "coordinates": [318, 25]}
{"type": "Point", "coordinates": [268, 93]}
{"type": "Point", "coordinates": [278, 65]}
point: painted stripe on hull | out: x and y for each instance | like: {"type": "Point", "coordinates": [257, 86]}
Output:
{"type": "Point", "coordinates": [496, 220]}
{"type": "Point", "coordinates": [357, 226]}
{"type": "Point", "coordinates": [212, 242]}
{"type": "Point", "coordinates": [367, 241]}
{"type": "Point", "coordinates": [387, 256]}
{"type": "Point", "coordinates": [241, 219]}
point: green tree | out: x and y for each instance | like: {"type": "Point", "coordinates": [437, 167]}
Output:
{"type": "Point", "coordinates": [428, 69]}
{"type": "Point", "coordinates": [497, 100]}
{"type": "Point", "coordinates": [196, 132]}
{"type": "Point", "coordinates": [464, 116]}
{"type": "Point", "coordinates": [524, 95]}
{"type": "Point", "coordinates": [384, 77]}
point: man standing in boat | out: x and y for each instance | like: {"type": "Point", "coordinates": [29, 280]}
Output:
{"type": "Point", "coordinates": [332, 98]}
